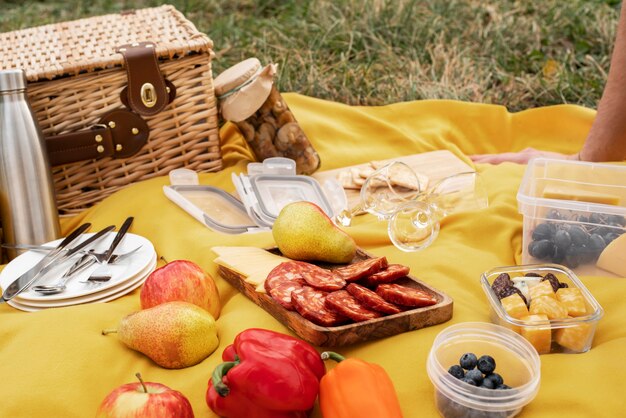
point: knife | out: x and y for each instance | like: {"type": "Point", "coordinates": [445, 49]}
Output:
{"type": "Point", "coordinates": [103, 269]}
{"type": "Point", "coordinates": [43, 266]}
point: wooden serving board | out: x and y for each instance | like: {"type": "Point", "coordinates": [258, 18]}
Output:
{"type": "Point", "coordinates": [354, 332]}
{"type": "Point", "coordinates": [436, 165]}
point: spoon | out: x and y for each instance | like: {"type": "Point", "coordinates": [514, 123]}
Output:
{"type": "Point", "coordinates": [79, 266]}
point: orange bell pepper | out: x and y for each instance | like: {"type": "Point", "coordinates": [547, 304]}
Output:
{"type": "Point", "coordinates": [357, 389]}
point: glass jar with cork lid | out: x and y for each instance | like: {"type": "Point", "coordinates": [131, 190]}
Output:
{"type": "Point", "coordinates": [249, 98]}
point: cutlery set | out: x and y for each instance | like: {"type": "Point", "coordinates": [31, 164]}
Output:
{"type": "Point", "coordinates": [81, 253]}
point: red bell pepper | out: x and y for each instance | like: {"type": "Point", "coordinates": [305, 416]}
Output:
{"type": "Point", "coordinates": [265, 374]}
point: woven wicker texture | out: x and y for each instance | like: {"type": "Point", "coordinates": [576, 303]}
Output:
{"type": "Point", "coordinates": [86, 79]}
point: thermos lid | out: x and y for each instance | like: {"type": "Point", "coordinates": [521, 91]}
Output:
{"type": "Point", "coordinates": [12, 80]}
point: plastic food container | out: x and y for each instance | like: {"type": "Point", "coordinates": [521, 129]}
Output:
{"type": "Point", "coordinates": [572, 210]}
{"type": "Point", "coordinates": [264, 191]}
{"type": "Point", "coordinates": [516, 361]}
{"type": "Point", "coordinates": [569, 335]}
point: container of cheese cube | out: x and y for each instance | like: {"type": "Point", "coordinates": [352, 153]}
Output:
{"type": "Point", "coordinates": [546, 304]}
{"type": "Point", "coordinates": [575, 215]}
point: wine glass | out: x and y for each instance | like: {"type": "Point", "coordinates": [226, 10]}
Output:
{"type": "Point", "coordinates": [414, 225]}
{"type": "Point", "coordinates": [384, 191]}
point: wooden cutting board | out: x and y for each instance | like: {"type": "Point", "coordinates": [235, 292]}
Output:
{"type": "Point", "coordinates": [435, 165]}
{"type": "Point", "coordinates": [355, 332]}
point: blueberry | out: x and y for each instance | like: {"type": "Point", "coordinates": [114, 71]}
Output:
{"type": "Point", "coordinates": [475, 375]}
{"type": "Point", "coordinates": [578, 235]}
{"type": "Point", "coordinates": [487, 384]}
{"type": "Point", "coordinates": [468, 361]}
{"type": "Point", "coordinates": [610, 237]}
{"type": "Point", "coordinates": [562, 239]}
{"type": "Point", "coordinates": [486, 364]}
{"type": "Point", "coordinates": [596, 243]}
{"type": "Point", "coordinates": [543, 231]}
{"type": "Point", "coordinates": [617, 219]}
{"type": "Point", "coordinates": [457, 371]}
{"type": "Point", "coordinates": [554, 214]}
{"type": "Point", "coordinates": [495, 378]}
{"type": "Point", "coordinates": [503, 386]}
{"type": "Point", "coordinates": [468, 380]}
{"type": "Point", "coordinates": [542, 250]}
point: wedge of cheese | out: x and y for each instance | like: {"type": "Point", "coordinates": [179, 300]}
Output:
{"type": "Point", "coordinates": [562, 192]}
{"type": "Point", "coordinates": [253, 263]}
{"type": "Point", "coordinates": [613, 257]}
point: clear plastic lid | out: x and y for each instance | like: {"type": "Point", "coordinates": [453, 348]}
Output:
{"type": "Point", "coordinates": [272, 185]}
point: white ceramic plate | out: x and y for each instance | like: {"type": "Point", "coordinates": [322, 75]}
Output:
{"type": "Point", "coordinates": [124, 271]}
{"type": "Point", "coordinates": [92, 297]}
{"type": "Point", "coordinates": [107, 296]}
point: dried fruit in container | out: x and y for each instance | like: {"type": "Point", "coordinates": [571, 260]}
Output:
{"type": "Point", "coordinates": [248, 97]}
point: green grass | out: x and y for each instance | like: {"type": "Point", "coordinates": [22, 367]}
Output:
{"type": "Point", "coordinates": [519, 54]}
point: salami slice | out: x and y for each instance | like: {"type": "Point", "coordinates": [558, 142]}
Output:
{"type": "Point", "coordinates": [345, 304]}
{"type": "Point", "coordinates": [310, 303]}
{"type": "Point", "coordinates": [405, 296]}
{"type": "Point", "coordinates": [372, 300]}
{"type": "Point", "coordinates": [356, 271]}
{"type": "Point", "coordinates": [284, 272]}
{"type": "Point", "coordinates": [392, 273]}
{"type": "Point", "coordinates": [282, 293]}
{"type": "Point", "coordinates": [320, 278]}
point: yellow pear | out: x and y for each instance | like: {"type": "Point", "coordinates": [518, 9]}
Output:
{"type": "Point", "coordinates": [174, 334]}
{"type": "Point", "coordinates": [303, 231]}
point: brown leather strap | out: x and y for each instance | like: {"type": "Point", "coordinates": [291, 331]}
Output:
{"type": "Point", "coordinates": [147, 93]}
{"type": "Point", "coordinates": [119, 134]}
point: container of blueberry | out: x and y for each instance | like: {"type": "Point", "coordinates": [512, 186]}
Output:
{"type": "Point", "coordinates": [482, 370]}
{"type": "Point", "coordinates": [546, 304]}
{"type": "Point", "coordinates": [573, 211]}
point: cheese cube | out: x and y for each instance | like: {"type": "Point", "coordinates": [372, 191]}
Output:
{"type": "Point", "coordinates": [572, 298]}
{"type": "Point", "coordinates": [542, 289]}
{"type": "Point", "coordinates": [514, 306]}
{"type": "Point", "coordinates": [548, 306]}
{"type": "Point", "coordinates": [576, 338]}
{"type": "Point", "coordinates": [538, 332]}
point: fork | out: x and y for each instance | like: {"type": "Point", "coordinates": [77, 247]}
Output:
{"type": "Point", "coordinates": [114, 260]}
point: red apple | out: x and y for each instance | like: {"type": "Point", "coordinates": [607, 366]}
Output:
{"type": "Point", "coordinates": [144, 400]}
{"type": "Point", "coordinates": [184, 281]}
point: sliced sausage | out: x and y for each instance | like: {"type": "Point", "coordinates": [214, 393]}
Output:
{"type": "Point", "coordinates": [320, 278]}
{"type": "Point", "coordinates": [345, 304]}
{"type": "Point", "coordinates": [371, 300]}
{"type": "Point", "coordinates": [356, 271]}
{"type": "Point", "coordinates": [310, 303]}
{"type": "Point", "coordinates": [284, 272]}
{"type": "Point", "coordinates": [392, 273]}
{"type": "Point", "coordinates": [282, 293]}
{"type": "Point", "coordinates": [405, 296]}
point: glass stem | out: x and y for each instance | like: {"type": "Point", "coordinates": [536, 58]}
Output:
{"type": "Point", "coordinates": [344, 218]}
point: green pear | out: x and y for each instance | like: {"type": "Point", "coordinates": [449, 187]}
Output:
{"type": "Point", "coordinates": [303, 231]}
{"type": "Point", "coordinates": [174, 334]}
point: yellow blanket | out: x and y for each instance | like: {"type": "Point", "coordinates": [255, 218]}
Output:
{"type": "Point", "coordinates": [55, 363]}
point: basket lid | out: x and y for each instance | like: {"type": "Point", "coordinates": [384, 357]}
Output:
{"type": "Point", "coordinates": [69, 48]}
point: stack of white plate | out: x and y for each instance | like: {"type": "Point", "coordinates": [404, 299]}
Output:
{"type": "Point", "coordinates": [127, 275]}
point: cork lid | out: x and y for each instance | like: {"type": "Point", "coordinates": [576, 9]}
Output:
{"type": "Point", "coordinates": [243, 88]}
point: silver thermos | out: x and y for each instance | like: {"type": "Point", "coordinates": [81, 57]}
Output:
{"type": "Point", "coordinates": [27, 203]}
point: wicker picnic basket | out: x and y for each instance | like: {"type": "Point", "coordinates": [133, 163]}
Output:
{"type": "Point", "coordinates": [75, 75]}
